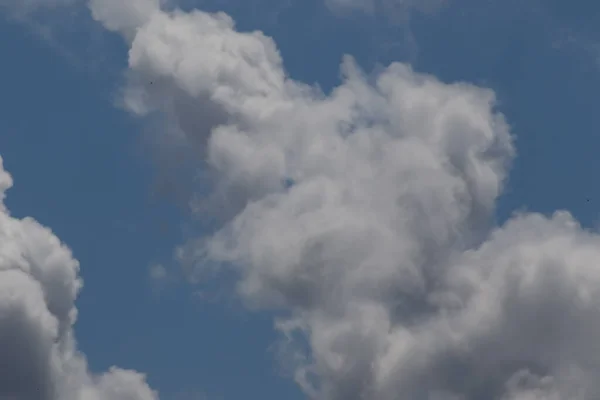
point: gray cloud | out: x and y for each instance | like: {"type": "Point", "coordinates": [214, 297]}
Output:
{"type": "Point", "coordinates": [39, 282]}
{"type": "Point", "coordinates": [366, 216]}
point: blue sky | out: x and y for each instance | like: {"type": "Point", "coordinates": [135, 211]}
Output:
{"type": "Point", "coordinates": [87, 170]}
{"type": "Point", "coordinates": [82, 166]}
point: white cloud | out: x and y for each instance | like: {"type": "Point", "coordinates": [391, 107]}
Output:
{"type": "Point", "coordinates": [123, 16]}
{"type": "Point", "coordinates": [39, 282]}
{"type": "Point", "coordinates": [367, 215]}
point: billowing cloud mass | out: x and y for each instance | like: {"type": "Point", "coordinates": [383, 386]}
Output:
{"type": "Point", "coordinates": [366, 216]}
{"type": "Point", "coordinates": [38, 354]}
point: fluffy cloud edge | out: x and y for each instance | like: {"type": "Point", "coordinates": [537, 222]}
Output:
{"type": "Point", "coordinates": [39, 283]}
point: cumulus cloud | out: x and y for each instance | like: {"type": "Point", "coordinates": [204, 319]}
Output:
{"type": "Point", "coordinates": [39, 281]}
{"type": "Point", "coordinates": [366, 215]}
{"type": "Point", "coordinates": [123, 16]}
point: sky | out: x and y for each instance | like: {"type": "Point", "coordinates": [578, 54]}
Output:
{"type": "Point", "coordinates": [299, 199]}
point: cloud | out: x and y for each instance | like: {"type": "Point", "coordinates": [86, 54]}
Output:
{"type": "Point", "coordinates": [159, 277]}
{"type": "Point", "coordinates": [363, 5]}
{"type": "Point", "coordinates": [366, 218]}
{"type": "Point", "coordinates": [27, 6]}
{"type": "Point", "coordinates": [122, 16]}
{"type": "Point", "coordinates": [39, 282]}
{"type": "Point", "coordinates": [157, 272]}
{"type": "Point", "coordinates": [398, 9]}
